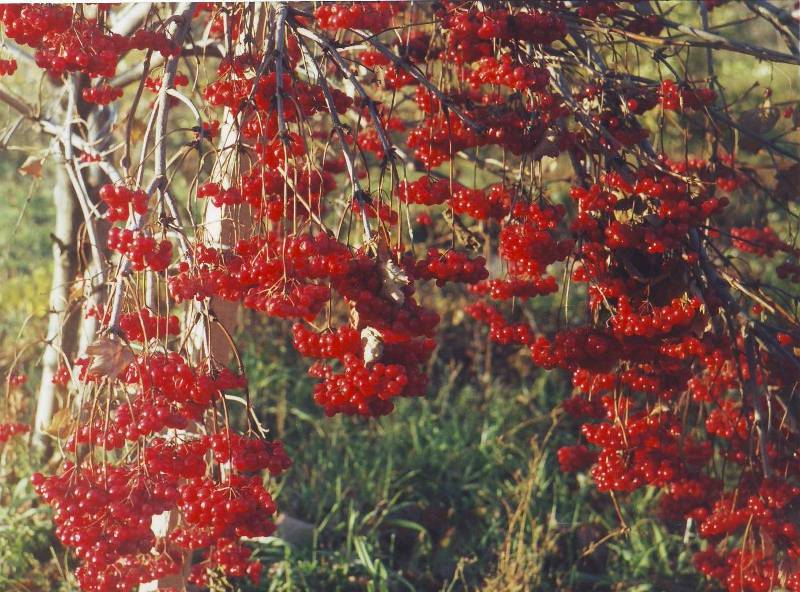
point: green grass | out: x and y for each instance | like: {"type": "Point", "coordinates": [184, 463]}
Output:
{"type": "Point", "coordinates": [456, 491]}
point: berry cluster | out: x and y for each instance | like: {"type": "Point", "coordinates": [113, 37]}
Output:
{"type": "Point", "coordinates": [760, 241]}
{"type": "Point", "coordinates": [143, 251]}
{"type": "Point", "coordinates": [451, 266]}
{"type": "Point", "coordinates": [677, 98]}
{"type": "Point", "coordinates": [500, 330]}
{"type": "Point", "coordinates": [659, 320]}
{"type": "Point", "coordinates": [595, 9]}
{"type": "Point", "coordinates": [332, 345]}
{"type": "Point", "coordinates": [121, 200]}
{"type": "Point", "coordinates": [363, 390]}
{"type": "Point", "coordinates": [62, 376]}
{"type": "Point", "coordinates": [507, 289]}
{"type": "Point", "coordinates": [519, 129]}
{"type": "Point", "coordinates": [17, 379]}
{"type": "Point", "coordinates": [424, 191]}
{"type": "Point", "coordinates": [144, 325]}
{"type": "Point", "coordinates": [220, 197]}
{"type": "Point", "coordinates": [651, 25]}
{"type": "Point", "coordinates": [104, 515]}
{"type": "Point", "coordinates": [479, 29]}
{"type": "Point", "coordinates": [66, 41]}
{"type": "Point", "coordinates": [8, 430]}
{"type": "Point", "coordinates": [504, 72]}
{"type": "Point", "coordinates": [89, 157]}
{"type": "Point", "coordinates": [104, 512]}
{"type": "Point", "coordinates": [102, 94]}
{"type": "Point", "coordinates": [529, 245]}
{"type": "Point", "coordinates": [493, 204]}
{"type": "Point", "coordinates": [8, 67]}
{"type": "Point", "coordinates": [232, 559]}
{"type": "Point", "coordinates": [153, 83]}
{"type": "Point", "coordinates": [369, 16]}
{"type": "Point", "coordinates": [575, 458]}
{"type": "Point", "coordinates": [394, 77]}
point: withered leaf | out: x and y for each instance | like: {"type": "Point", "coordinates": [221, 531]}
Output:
{"type": "Point", "coordinates": [372, 342]}
{"type": "Point", "coordinates": [62, 424]}
{"type": "Point", "coordinates": [394, 279]}
{"type": "Point", "coordinates": [32, 166]}
{"type": "Point", "coordinates": [787, 187]}
{"type": "Point", "coordinates": [473, 241]}
{"type": "Point", "coordinates": [760, 121]}
{"type": "Point", "coordinates": [109, 357]}
{"type": "Point", "coordinates": [354, 316]}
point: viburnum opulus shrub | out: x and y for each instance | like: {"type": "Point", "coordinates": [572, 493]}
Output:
{"type": "Point", "coordinates": [617, 176]}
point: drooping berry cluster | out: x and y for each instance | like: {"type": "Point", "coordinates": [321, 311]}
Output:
{"type": "Point", "coordinates": [760, 241]}
{"type": "Point", "coordinates": [451, 266]}
{"type": "Point", "coordinates": [101, 95]}
{"type": "Point", "coordinates": [68, 42]}
{"type": "Point", "coordinates": [143, 251]}
{"type": "Point", "coordinates": [370, 16]}
{"type": "Point", "coordinates": [144, 325]}
{"type": "Point", "coordinates": [505, 73]}
{"type": "Point", "coordinates": [121, 200]}
{"type": "Point", "coordinates": [8, 430]}
{"type": "Point", "coordinates": [676, 98]}
{"type": "Point", "coordinates": [8, 67]}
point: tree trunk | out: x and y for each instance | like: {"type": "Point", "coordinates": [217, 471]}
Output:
{"type": "Point", "coordinates": [221, 228]}
{"type": "Point", "coordinates": [61, 325]}
{"type": "Point", "coordinates": [100, 121]}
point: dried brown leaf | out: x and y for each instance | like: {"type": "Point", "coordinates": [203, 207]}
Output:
{"type": "Point", "coordinates": [372, 342]}
{"type": "Point", "coordinates": [760, 121]}
{"type": "Point", "coordinates": [787, 187]}
{"type": "Point", "coordinates": [61, 425]}
{"type": "Point", "coordinates": [394, 279]}
{"type": "Point", "coordinates": [32, 166]}
{"type": "Point", "coordinates": [109, 357]}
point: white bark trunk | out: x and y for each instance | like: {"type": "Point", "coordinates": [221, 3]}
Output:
{"type": "Point", "coordinates": [221, 228]}
{"type": "Point", "coordinates": [60, 332]}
